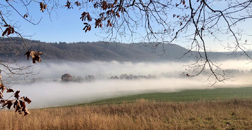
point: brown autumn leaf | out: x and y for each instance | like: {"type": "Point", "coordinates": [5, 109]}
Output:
{"type": "Point", "coordinates": [10, 90]}
{"type": "Point", "coordinates": [9, 30]}
{"type": "Point", "coordinates": [77, 3]}
{"type": "Point", "coordinates": [22, 104]}
{"type": "Point", "coordinates": [28, 54]}
{"type": "Point", "coordinates": [87, 27]}
{"type": "Point", "coordinates": [26, 99]}
{"type": "Point", "coordinates": [24, 109]}
{"type": "Point", "coordinates": [85, 16]}
{"type": "Point", "coordinates": [110, 12]}
{"type": "Point", "coordinates": [8, 103]}
{"type": "Point", "coordinates": [68, 5]}
{"type": "Point", "coordinates": [98, 23]}
{"type": "Point", "coordinates": [16, 95]}
{"type": "Point", "coordinates": [5, 31]}
{"type": "Point", "coordinates": [104, 5]}
{"type": "Point", "coordinates": [15, 103]}
{"type": "Point", "coordinates": [89, 17]}
{"type": "Point", "coordinates": [17, 106]}
{"type": "Point", "coordinates": [2, 87]}
{"type": "Point", "coordinates": [35, 56]}
{"type": "Point", "coordinates": [41, 4]}
{"type": "Point", "coordinates": [108, 22]}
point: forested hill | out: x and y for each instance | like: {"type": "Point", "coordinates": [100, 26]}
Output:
{"type": "Point", "coordinates": [88, 51]}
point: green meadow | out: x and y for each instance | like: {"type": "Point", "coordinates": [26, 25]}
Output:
{"type": "Point", "coordinates": [184, 96]}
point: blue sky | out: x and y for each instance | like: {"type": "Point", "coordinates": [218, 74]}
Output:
{"type": "Point", "coordinates": [64, 25]}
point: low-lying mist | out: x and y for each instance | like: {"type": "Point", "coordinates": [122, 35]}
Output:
{"type": "Point", "coordinates": [49, 93]}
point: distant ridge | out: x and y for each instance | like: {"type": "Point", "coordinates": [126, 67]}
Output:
{"type": "Point", "coordinates": [13, 49]}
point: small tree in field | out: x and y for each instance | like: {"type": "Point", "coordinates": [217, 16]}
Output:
{"type": "Point", "coordinates": [166, 21]}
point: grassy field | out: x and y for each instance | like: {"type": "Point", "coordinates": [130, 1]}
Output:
{"type": "Point", "coordinates": [186, 95]}
{"type": "Point", "coordinates": [192, 109]}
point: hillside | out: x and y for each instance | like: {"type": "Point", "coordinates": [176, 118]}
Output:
{"type": "Point", "coordinates": [85, 51]}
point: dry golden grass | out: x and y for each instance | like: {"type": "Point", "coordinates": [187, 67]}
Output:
{"type": "Point", "coordinates": [143, 114]}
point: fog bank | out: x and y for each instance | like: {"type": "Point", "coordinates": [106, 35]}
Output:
{"type": "Point", "coordinates": [51, 94]}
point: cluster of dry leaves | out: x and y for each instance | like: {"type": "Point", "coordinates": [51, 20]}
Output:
{"type": "Point", "coordinates": [9, 30]}
{"type": "Point", "coordinates": [18, 103]}
{"type": "Point", "coordinates": [42, 6]}
{"type": "Point", "coordinates": [68, 4]}
{"type": "Point", "coordinates": [34, 55]}
{"type": "Point", "coordinates": [110, 10]}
